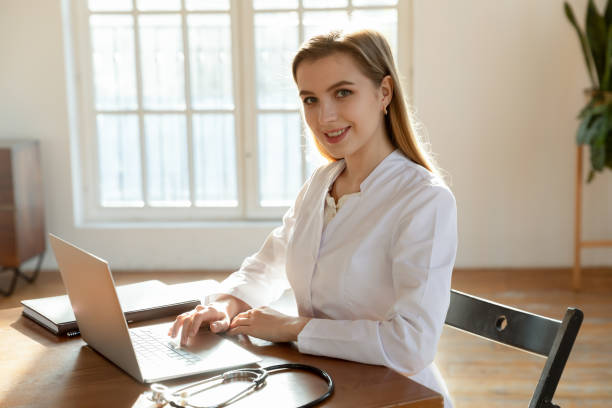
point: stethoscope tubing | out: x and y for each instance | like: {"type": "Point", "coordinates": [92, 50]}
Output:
{"type": "Point", "coordinates": [315, 370]}
{"type": "Point", "coordinates": [258, 378]}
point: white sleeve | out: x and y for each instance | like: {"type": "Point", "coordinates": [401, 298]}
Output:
{"type": "Point", "coordinates": [423, 254]}
{"type": "Point", "coordinates": [261, 278]}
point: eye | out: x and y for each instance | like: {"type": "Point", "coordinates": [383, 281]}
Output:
{"type": "Point", "coordinates": [309, 100]}
{"type": "Point", "coordinates": [342, 93]}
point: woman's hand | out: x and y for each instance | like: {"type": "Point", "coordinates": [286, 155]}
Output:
{"type": "Point", "coordinates": [268, 324]}
{"type": "Point", "coordinates": [216, 315]}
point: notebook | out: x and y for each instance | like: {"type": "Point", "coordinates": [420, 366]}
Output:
{"type": "Point", "coordinates": [89, 284]}
{"type": "Point", "coordinates": [139, 301]}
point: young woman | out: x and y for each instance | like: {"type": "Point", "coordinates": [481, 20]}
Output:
{"type": "Point", "coordinates": [369, 244]}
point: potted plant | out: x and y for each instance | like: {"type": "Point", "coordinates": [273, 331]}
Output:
{"type": "Point", "coordinates": [595, 129]}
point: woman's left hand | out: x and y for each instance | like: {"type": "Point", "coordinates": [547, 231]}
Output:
{"type": "Point", "coordinates": [267, 324]}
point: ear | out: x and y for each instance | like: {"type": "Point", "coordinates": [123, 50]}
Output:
{"type": "Point", "coordinates": [386, 91]}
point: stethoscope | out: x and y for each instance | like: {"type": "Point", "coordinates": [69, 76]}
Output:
{"type": "Point", "coordinates": [180, 398]}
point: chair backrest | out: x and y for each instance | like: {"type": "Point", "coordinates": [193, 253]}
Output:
{"type": "Point", "coordinates": [546, 337]}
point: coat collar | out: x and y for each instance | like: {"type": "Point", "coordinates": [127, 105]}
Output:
{"type": "Point", "coordinates": [337, 167]}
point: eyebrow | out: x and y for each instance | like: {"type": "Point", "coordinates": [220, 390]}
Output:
{"type": "Point", "coordinates": [337, 84]}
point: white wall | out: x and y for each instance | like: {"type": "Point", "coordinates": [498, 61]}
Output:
{"type": "Point", "coordinates": [497, 85]}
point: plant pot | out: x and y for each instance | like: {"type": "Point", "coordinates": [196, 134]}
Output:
{"type": "Point", "coordinates": [598, 97]}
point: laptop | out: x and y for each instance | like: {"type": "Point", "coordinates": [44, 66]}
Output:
{"type": "Point", "coordinates": [145, 353]}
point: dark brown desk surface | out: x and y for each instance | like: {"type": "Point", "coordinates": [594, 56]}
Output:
{"type": "Point", "coordinates": [39, 369]}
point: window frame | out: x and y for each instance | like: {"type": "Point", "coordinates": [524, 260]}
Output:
{"type": "Point", "coordinates": [242, 18]}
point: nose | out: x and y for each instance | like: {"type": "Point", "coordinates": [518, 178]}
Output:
{"type": "Point", "coordinates": [327, 112]}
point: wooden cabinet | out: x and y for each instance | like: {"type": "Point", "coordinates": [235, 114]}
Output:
{"type": "Point", "coordinates": [22, 221]}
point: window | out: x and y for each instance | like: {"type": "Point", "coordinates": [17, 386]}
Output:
{"type": "Point", "coordinates": [188, 107]}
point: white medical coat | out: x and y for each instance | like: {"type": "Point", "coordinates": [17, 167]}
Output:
{"type": "Point", "coordinates": [376, 280]}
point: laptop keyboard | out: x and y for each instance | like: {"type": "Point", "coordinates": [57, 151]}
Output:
{"type": "Point", "coordinates": [151, 348]}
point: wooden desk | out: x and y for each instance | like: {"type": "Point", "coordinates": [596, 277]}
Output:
{"type": "Point", "coordinates": [40, 369]}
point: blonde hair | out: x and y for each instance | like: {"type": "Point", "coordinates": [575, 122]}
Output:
{"type": "Point", "coordinates": [371, 51]}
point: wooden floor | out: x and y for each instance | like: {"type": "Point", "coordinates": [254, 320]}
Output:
{"type": "Point", "coordinates": [480, 373]}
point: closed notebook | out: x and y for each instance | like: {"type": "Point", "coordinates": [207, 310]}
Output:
{"type": "Point", "coordinates": [140, 301]}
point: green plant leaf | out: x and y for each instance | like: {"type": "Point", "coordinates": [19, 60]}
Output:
{"type": "Point", "coordinates": [586, 52]}
{"type": "Point", "coordinates": [605, 84]}
{"type": "Point", "coordinates": [593, 116]}
{"type": "Point", "coordinates": [597, 37]}
{"type": "Point", "coordinates": [598, 157]}
{"type": "Point", "coordinates": [599, 139]}
{"type": "Point", "coordinates": [591, 176]}
{"type": "Point", "coordinates": [598, 124]}
{"type": "Point", "coordinates": [585, 124]}
{"type": "Point", "coordinates": [581, 134]}
{"type": "Point", "coordinates": [587, 108]}
{"type": "Point", "coordinates": [609, 150]}
{"type": "Point", "coordinates": [598, 145]}
{"type": "Point", "coordinates": [592, 109]}
{"type": "Point", "coordinates": [608, 13]}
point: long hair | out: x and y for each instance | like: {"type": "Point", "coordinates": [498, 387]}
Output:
{"type": "Point", "coordinates": [371, 51]}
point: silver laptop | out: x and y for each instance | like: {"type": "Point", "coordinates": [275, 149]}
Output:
{"type": "Point", "coordinates": [146, 353]}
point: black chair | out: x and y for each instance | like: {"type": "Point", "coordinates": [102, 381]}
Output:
{"type": "Point", "coordinates": [546, 337]}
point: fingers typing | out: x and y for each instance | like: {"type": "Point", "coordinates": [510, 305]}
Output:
{"type": "Point", "coordinates": [177, 324]}
{"type": "Point", "coordinates": [189, 323]}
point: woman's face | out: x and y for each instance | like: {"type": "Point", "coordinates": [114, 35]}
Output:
{"type": "Point", "coordinates": [342, 107]}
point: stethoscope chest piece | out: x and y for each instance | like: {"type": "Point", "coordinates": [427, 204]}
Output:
{"type": "Point", "coordinates": [183, 397]}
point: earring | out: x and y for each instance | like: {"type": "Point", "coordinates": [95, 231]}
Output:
{"type": "Point", "coordinates": [385, 110]}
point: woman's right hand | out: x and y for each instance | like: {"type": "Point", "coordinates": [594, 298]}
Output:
{"type": "Point", "coordinates": [217, 315]}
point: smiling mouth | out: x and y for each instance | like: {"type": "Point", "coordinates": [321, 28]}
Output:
{"type": "Point", "coordinates": [337, 133]}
